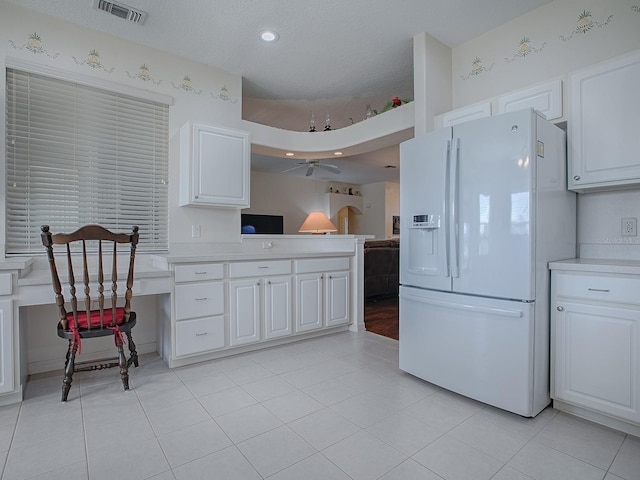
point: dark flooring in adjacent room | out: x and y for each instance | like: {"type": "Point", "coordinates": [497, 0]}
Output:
{"type": "Point", "coordinates": [381, 316]}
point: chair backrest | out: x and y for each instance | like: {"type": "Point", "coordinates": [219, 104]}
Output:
{"type": "Point", "coordinates": [81, 237]}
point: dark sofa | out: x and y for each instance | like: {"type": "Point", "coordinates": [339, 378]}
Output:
{"type": "Point", "coordinates": [381, 268]}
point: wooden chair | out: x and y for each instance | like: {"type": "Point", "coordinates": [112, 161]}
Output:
{"type": "Point", "coordinates": [75, 324]}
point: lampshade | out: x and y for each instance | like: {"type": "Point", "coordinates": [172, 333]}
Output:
{"type": "Point", "coordinates": [317, 222]}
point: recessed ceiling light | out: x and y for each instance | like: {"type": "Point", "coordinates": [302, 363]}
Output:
{"type": "Point", "coordinates": [337, 153]}
{"type": "Point", "coordinates": [290, 154]}
{"type": "Point", "coordinates": [269, 36]}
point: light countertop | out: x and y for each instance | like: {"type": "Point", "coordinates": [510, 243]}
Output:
{"type": "Point", "coordinates": [598, 265]}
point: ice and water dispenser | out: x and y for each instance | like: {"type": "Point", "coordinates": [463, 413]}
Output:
{"type": "Point", "coordinates": [424, 243]}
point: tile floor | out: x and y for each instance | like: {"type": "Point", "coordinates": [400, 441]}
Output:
{"type": "Point", "coordinates": [330, 408]}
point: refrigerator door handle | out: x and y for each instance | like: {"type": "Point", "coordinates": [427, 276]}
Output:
{"type": "Point", "coordinates": [453, 207]}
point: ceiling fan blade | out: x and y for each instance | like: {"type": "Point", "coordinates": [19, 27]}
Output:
{"type": "Point", "coordinates": [330, 168]}
{"type": "Point", "coordinates": [294, 168]}
{"type": "Point", "coordinates": [309, 170]}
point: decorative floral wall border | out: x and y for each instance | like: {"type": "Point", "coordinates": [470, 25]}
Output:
{"type": "Point", "coordinates": [93, 61]}
{"type": "Point", "coordinates": [524, 49]}
{"type": "Point", "coordinates": [585, 24]}
{"type": "Point", "coordinates": [635, 8]}
{"type": "Point", "coordinates": [186, 85]}
{"type": "Point", "coordinates": [476, 69]}
{"type": "Point", "coordinates": [223, 95]}
{"type": "Point", "coordinates": [34, 45]}
{"type": "Point", "coordinates": [143, 74]}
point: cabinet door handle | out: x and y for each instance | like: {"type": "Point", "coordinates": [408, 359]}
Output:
{"type": "Point", "coordinates": [603, 290]}
{"type": "Point", "coordinates": [576, 177]}
{"type": "Point", "coordinates": [200, 299]}
{"type": "Point", "coordinates": [560, 308]}
{"type": "Point", "coordinates": [269, 282]}
{"type": "Point", "coordinates": [201, 334]}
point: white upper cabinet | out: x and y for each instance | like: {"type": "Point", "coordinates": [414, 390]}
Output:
{"type": "Point", "coordinates": [604, 126]}
{"type": "Point", "coordinates": [214, 166]}
{"type": "Point", "coordinates": [545, 98]}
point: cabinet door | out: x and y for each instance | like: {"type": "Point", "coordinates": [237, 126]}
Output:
{"type": "Point", "coordinates": [277, 307]}
{"type": "Point", "coordinates": [6, 346]}
{"type": "Point", "coordinates": [596, 358]}
{"type": "Point", "coordinates": [337, 298]}
{"type": "Point", "coordinates": [309, 302]}
{"type": "Point", "coordinates": [244, 311]}
{"type": "Point", "coordinates": [215, 163]}
{"type": "Point", "coordinates": [604, 124]}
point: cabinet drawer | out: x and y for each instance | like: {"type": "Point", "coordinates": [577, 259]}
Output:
{"type": "Point", "coordinates": [259, 269]}
{"type": "Point", "coordinates": [322, 264]}
{"type": "Point", "coordinates": [594, 287]}
{"type": "Point", "coordinates": [198, 272]}
{"type": "Point", "coordinates": [200, 335]}
{"type": "Point", "coordinates": [199, 300]}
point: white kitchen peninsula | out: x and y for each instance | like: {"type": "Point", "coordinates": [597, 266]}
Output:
{"type": "Point", "coordinates": [595, 340]}
{"type": "Point", "coordinates": [191, 287]}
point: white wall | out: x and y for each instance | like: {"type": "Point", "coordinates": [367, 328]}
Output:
{"type": "Point", "coordinates": [556, 50]}
{"type": "Point", "coordinates": [381, 201]}
{"type": "Point", "coordinates": [292, 197]}
{"type": "Point", "coordinates": [65, 46]}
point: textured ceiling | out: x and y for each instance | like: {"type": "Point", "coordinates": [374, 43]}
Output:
{"type": "Point", "coordinates": [331, 54]}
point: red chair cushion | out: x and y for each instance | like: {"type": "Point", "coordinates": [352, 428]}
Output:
{"type": "Point", "coordinates": [95, 318]}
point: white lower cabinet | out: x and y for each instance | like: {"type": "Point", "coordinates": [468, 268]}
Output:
{"type": "Point", "coordinates": [322, 293]}
{"type": "Point", "coordinates": [337, 298]}
{"type": "Point", "coordinates": [199, 308]}
{"type": "Point", "coordinates": [259, 303]}
{"type": "Point", "coordinates": [237, 305]}
{"type": "Point", "coordinates": [199, 335]}
{"type": "Point", "coordinates": [595, 343]}
{"type": "Point", "coordinates": [309, 302]}
{"type": "Point", "coordinates": [6, 346]}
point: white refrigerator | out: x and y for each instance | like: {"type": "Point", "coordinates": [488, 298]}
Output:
{"type": "Point", "coordinates": [483, 209]}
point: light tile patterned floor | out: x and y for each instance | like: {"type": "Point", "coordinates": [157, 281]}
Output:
{"type": "Point", "coordinates": [336, 407]}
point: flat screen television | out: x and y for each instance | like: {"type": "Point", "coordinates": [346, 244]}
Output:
{"type": "Point", "coordinates": [263, 224]}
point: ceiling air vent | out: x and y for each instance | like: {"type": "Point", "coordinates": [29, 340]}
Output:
{"type": "Point", "coordinates": [122, 11]}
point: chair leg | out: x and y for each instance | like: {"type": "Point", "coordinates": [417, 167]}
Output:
{"type": "Point", "coordinates": [133, 358]}
{"type": "Point", "coordinates": [69, 366]}
{"type": "Point", "coordinates": [122, 362]}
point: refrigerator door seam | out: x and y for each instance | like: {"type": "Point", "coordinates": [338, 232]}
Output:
{"type": "Point", "coordinates": [461, 306]}
{"type": "Point", "coordinates": [453, 207]}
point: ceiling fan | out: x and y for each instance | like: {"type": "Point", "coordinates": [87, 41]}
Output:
{"type": "Point", "coordinates": [312, 165]}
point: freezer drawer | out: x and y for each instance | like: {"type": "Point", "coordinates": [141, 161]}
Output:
{"type": "Point", "coordinates": [478, 347]}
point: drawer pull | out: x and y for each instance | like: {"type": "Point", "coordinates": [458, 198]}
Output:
{"type": "Point", "coordinates": [560, 308]}
{"type": "Point", "coordinates": [200, 299]}
{"type": "Point", "coordinates": [201, 334]}
{"type": "Point", "coordinates": [201, 273]}
{"type": "Point", "coordinates": [263, 266]}
{"type": "Point", "coordinates": [602, 290]}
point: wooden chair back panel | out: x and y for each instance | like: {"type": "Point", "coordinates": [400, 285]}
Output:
{"type": "Point", "coordinates": [81, 236]}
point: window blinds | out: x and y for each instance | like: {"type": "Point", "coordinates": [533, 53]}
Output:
{"type": "Point", "coordinates": [78, 155]}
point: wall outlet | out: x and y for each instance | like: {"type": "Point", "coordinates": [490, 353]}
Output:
{"type": "Point", "coordinates": [195, 231]}
{"type": "Point", "coordinates": [629, 227]}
